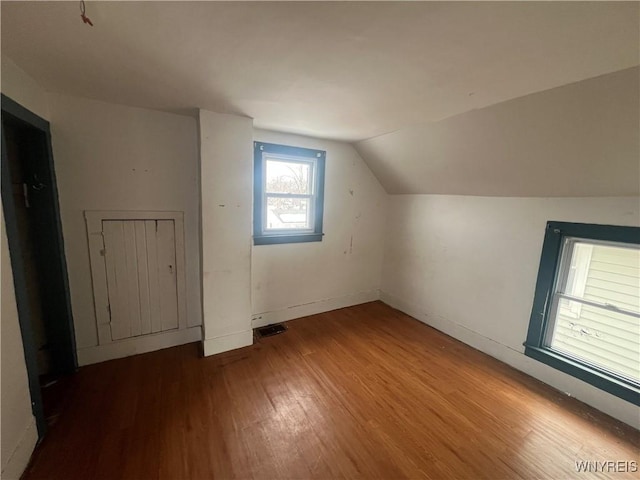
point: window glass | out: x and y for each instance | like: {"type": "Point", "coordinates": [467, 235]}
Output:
{"type": "Point", "coordinates": [288, 213]}
{"type": "Point", "coordinates": [585, 317]}
{"type": "Point", "coordinates": [288, 177]}
{"type": "Point", "coordinates": [597, 319]}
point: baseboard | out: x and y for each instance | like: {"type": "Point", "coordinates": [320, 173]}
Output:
{"type": "Point", "coordinates": [20, 457]}
{"type": "Point", "coordinates": [137, 345]}
{"type": "Point", "coordinates": [225, 343]}
{"type": "Point", "coordinates": [459, 332]}
{"type": "Point", "coordinates": [313, 308]}
{"type": "Point", "coordinates": [605, 402]}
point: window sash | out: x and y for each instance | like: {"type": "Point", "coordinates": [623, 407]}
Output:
{"type": "Point", "coordinates": [284, 231]}
{"type": "Point", "coordinates": [550, 331]}
{"type": "Point", "coordinates": [605, 306]}
{"type": "Point", "coordinates": [565, 258]}
{"type": "Point", "coordinates": [290, 195]}
{"type": "Point", "coordinates": [553, 313]}
{"type": "Point", "coordinates": [549, 275]}
{"type": "Point", "coordinates": [281, 158]}
{"type": "Point", "coordinates": [596, 367]}
{"type": "Point", "coordinates": [266, 195]}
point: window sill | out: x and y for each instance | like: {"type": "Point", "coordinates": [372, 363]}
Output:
{"type": "Point", "coordinates": [287, 238]}
{"type": "Point", "coordinates": [583, 372]}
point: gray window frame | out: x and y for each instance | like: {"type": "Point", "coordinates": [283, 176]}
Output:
{"type": "Point", "coordinates": [315, 158]}
{"type": "Point", "coordinates": [542, 313]}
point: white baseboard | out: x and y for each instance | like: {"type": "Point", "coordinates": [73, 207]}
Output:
{"type": "Point", "coordinates": [137, 345]}
{"type": "Point", "coordinates": [571, 386]}
{"type": "Point", "coordinates": [20, 457]}
{"type": "Point", "coordinates": [225, 343]}
{"type": "Point", "coordinates": [459, 332]}
{"type": "Point", "coordinates": [313, 308]}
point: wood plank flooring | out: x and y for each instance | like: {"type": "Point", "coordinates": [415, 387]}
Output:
{"type": "Point", "coordinates": [362, 392]}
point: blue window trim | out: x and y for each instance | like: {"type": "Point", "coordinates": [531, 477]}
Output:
{"type": "Point", "coordinates": [545, 286]}
{"type": "Point", "coordinates": [319, 157]}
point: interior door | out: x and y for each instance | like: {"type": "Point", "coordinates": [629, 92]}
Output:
{"type": "Point", "coordinates": [140, 262]}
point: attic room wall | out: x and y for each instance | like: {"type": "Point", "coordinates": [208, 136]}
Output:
{"type": "Point", "coordinates": [114, 157]}
{"type": "Point", "coordinates": [19, 434]}
{"type": "Point", "coordinates": [294, 280]}
{"type": "Point", "coordinates": [20, 87]}
{"type": "Point", "coordinates": [226, 184]}
{"type": "Point", "coordinates": [468, 266]}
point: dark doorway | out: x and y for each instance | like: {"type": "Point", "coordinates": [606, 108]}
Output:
{"type": "Point", "coordinates": [34, 234]}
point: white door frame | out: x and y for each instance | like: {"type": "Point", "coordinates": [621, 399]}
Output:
{"type": "Point", "coordinates": [94, 219]}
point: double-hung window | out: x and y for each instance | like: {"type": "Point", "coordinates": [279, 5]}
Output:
{"type": "Point", "coordinates": [288, 194]}
{"type": "Point", "coordinates": [585, 319]}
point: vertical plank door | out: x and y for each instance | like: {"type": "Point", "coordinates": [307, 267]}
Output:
{"type": "Point", "coordinates": [140, 261]}
{"type": "Point", "coordinates": [166, 254]}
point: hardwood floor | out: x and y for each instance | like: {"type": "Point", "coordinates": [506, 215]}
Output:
{"type": "Point", "coordinates": [362, 392]}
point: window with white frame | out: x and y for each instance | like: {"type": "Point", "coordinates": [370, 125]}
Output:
{"type": "Point", "coordinates": [586, 314]}
{"type": "Point", "coordinates": [288, 194]}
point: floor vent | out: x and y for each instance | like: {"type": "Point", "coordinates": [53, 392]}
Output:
{"type": "Point", "coordinates": [271, 330]}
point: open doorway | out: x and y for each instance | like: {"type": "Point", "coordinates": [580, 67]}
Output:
{"type": "Point", "coordinates": [34, 234]}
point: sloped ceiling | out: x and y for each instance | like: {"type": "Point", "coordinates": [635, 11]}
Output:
{"type": "Point", "coordinates": [581, 139]}
{"type": "Point", "coordinates": [477, 98]}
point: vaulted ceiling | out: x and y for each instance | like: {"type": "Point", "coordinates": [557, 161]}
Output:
{"type": "Point", "coordinates": [348, 71]}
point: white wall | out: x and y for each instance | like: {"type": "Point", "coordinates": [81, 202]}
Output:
{"type": "Point", "coordinates": [468, 267]}
{"type": "Point", "coordinates": [297, 279]}
{"type": "Point", "coordinates": [22, 88]}
{"type": "Point", "coordinates": [19, 433]}
{"type": "Point", "coordinates": [114, 157]}
{"type": "Point", "coordinates": [226, 184]}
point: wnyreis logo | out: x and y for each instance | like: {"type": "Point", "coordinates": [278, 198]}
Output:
{"type": "Point", "coordinates": [609, 466]}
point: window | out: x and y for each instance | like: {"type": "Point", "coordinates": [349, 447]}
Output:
{"type": "Point", "coordinates": [585, 319]}
{"type": "Point", "coordinates": [288, 194]}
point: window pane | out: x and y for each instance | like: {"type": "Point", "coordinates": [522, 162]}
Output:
{"type": "Point", "coordinates": [288, 213]}
{"type": "Point", "coordinates": [610, 340]}
{"type": "Point", "coordinates": [288, 177]}
{"type": "Point", "coordinates": [606, 275]}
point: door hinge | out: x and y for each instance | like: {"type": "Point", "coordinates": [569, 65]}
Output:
{"type": "Point", "coordinates": [109, 310]}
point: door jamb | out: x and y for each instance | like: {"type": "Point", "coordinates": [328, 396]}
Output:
{"type": "Point", "coordinates": [13, 110]}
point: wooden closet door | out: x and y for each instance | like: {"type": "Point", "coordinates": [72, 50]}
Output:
{"type": "Point", "coordinates": [140, 262]}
